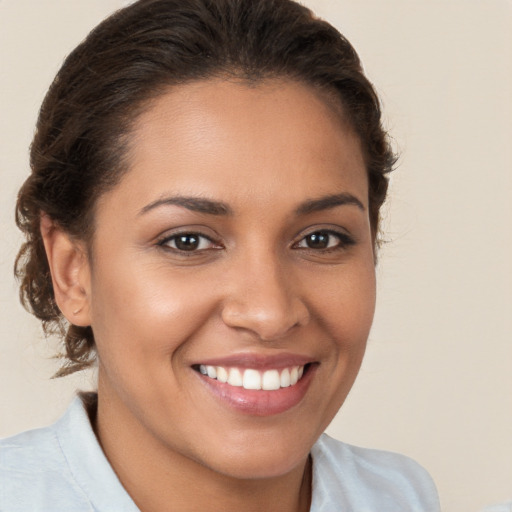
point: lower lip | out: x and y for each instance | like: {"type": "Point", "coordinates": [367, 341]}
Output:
{"type": "Point", "coordinates": [260, 402]}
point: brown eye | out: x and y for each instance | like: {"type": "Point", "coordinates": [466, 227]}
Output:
{"type": "Point", "coordinates": [187, 242]}
{"type": "Point", "coordinates": [321, 240]}
{"type": "Point", "coordinates": [318, 240]}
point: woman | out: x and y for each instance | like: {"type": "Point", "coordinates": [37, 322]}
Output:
{"type": "Point", "coordinates": [202, 220]}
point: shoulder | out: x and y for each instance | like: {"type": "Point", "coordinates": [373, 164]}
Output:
{"type": "Point", "coordinates": [361, 479]}
{"type": "Point", "coordinates": [34, 474]}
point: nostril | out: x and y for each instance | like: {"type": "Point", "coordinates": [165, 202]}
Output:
{"type": "Point", "coordinates": [268, 322]}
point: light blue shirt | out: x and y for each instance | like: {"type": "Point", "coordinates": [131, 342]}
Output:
{"type": "Point", "coordinates": [62, 468]}
{"type": "Point", "coordinates": [501, 507]}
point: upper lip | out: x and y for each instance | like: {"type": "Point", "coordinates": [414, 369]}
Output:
{"type": "Point", "coordinates": [258, 361]}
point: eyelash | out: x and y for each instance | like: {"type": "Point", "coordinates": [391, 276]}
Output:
{"type": "Point", "coordinates": [164, 242]}
{"type": "Point", "coordinates": [344, 241]}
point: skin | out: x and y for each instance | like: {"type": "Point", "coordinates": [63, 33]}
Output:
{"type": "Point", "coordinates": [255, 288]}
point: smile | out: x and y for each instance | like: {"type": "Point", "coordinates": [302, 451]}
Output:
{"type": "Point", "coordinates": [253, 379]}
{"type": "Point", "coordinates": [257, 384]}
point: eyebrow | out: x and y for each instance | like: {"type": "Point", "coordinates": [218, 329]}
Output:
{"type": "Point", "coordinates": [195, 204]}
{"type": "Point", "coordinates": [211, 207]}
{"type": "Point", "coordinates": [326, 202]}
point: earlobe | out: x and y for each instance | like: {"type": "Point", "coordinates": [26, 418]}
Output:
{"type": "Point", "coordinates": [69, 267]}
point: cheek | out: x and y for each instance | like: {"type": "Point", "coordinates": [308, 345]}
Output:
{"type": "Point", "coordinates": [345, 312]}
{"type": "Point", "coordinates": [347, 305]}
{"type": "Point", "coordinates": [144, 312]}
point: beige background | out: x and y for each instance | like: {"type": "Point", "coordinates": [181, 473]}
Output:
{"type": "Point", "coordinates": [437, 381]}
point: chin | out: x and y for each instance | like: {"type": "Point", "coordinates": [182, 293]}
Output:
{"type": "Point", "coordinates": [261, 456]}
{"type": "Point", "coordinates": [258, 468]}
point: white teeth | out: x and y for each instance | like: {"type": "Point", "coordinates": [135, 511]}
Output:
{"type": "Point", "coordinates": [235, 377]}
{"type": "Point", "coordinates": [252, 379]}
{"type": "Point", "coordinates": [294, 375]}
{"type": "Point", "coordinates": [285, 378]}
{"type": "Point", "coordinates": [222, 374]}
{"type": "Point", "coordinates": [270, 380]}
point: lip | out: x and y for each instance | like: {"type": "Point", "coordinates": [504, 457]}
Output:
{"type": "Point", "coordinates": [259, 361]}
{"type": "Point", "coordinates": [259, 402]}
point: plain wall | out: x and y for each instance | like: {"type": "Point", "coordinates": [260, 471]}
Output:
{"type": "Point", "coordinates": [437, 380]}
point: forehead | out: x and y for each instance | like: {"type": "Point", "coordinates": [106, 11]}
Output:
{"type": "Point", "coordinates": [236, 141]}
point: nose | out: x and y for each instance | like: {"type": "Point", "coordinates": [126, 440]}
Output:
{"type": "Point", "coordinates": [263, 299]}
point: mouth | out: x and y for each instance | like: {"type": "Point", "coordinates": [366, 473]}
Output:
{"type": "Point", "coordinates": [253, 378]}
{"type": "Point", "coordinates": [257, 387]}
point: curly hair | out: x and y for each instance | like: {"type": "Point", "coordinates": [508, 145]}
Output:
{"type": "Point", "coordinates": [132, 57]}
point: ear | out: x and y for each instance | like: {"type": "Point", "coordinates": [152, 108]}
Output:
{"type": "Point", "coordinates": [70, 271]}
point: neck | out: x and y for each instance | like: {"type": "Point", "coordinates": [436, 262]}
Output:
{"type": "Point", "coordinates": [160, 479]}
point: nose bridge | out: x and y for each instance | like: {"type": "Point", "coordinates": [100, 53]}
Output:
{"type": "Point", "coordinates": [263, 298]}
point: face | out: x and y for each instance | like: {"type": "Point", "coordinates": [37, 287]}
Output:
{"type": "Point", "coordinates": [235, 254]}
